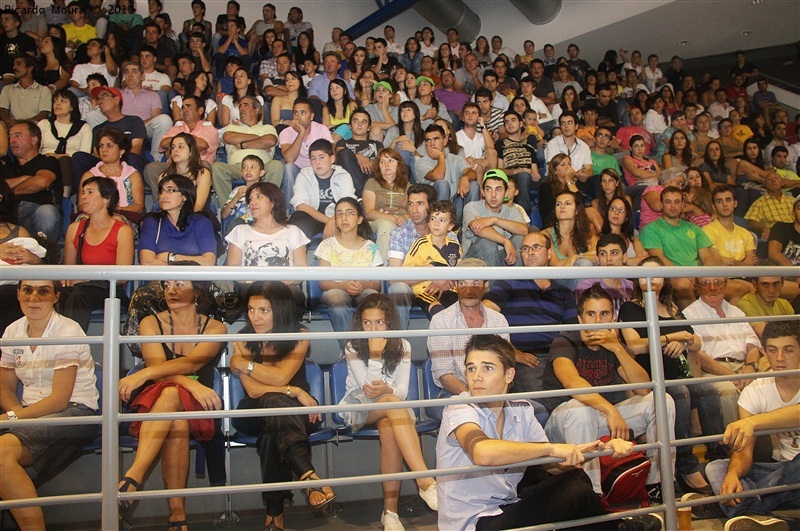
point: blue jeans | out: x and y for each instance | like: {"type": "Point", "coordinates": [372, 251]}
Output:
{"type": "Point", "coordinates": [761, 475]}
{"type": "Point", "coordinates": [705, 398]}
{"type": "Point", "coordinates": [290, 173]}
{"type": "Point", "coordinates": [341, 307]}
{"type": "Point", "coordinates": [403, 297]}
{"type": "Point", "coordinates": [40, 218]}
{"type": "Point", "coordinates": [444, 191]}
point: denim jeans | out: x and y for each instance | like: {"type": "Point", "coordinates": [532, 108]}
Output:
{"type": "Point", "coordinates": [403, 297]}
{"type": "Point", "coordinates": [341, 307]}
{"type": "Point", "coordinates": [444, 191]}
{"type": "Point", "coordinates": [761, 475]}
{"type": "Point", "coordinates": [40, 218]}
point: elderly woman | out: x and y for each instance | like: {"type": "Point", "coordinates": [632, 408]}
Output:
{"type": "Point", "coordinates": [177, 377]}
{"type": "Point", "coordinates": [273, 375]}
{"type": "Point", "coordinates": [57, 381]}
{"type": "Point", "coordinates": [99, 239]}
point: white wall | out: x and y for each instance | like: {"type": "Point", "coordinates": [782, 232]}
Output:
{"type": "Point", "coordinates": [653, 26]}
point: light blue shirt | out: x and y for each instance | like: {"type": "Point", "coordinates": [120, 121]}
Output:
{"type": "Point", "coordinates": [463, 498]}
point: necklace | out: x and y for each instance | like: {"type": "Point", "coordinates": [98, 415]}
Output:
{"type": "Point", "coordinates": [172, 329]}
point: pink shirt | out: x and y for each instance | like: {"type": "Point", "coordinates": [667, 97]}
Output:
{"type": "Point", "coordinates": [203, 130]}
{"type": "Point", "coordinates": [141, 105]}
{"type": "Point", "coordinates": [624, 135]}
{"type": "Point", "coordinates": [288, 136]}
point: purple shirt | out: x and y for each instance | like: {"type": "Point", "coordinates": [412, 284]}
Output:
{"type": "Point", "coordinates": [288, 136]}
{"type": "Point", "coordinates": [453, 100]}
{"type": "Point", "coordinates": [141, 105]}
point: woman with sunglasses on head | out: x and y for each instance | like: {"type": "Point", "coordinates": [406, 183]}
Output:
{"type": "Point", "coordinates": [176, 377]}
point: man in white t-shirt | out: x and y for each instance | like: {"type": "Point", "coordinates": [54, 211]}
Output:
{"type": "Point", "coordinates": [476, 140]}
{"type": "Point", "coordinates": [580, 155]}
{"type": "Point", "coordinates": [767, 403]}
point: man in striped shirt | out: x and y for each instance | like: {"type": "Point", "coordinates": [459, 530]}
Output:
{"type": "Point", "coordinates": [532, 302]}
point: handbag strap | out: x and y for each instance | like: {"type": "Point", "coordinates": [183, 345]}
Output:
{"type": "Point", "coordinates": [81, 238]}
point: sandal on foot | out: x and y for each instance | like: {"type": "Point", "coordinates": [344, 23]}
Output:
{"type": "Point", "coordinates": [125, 506]}
{"type": "Point", "coordinates": [320, 490]}
{"type": "Point", "coordinates": [177, 524]}
{"type": "Point", "coordinates": [272, 526]}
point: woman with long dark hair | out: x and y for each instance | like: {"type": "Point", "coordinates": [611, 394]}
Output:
{"type": "Point", "coordinates": [560, 178]}
{"type": "Point", "coordinates": [713, 166]}
{"type": "Point", "coordinates": [197, 84]}
{"type": "Point", "coordinates": [571, 232]}
{"type": "Point", "coordinates": [679, 154]}
{"type": "Point", "coordinates": [337, 110]}
{"type": "Point", "coordinates": [305, 49]}
{"type": "Point", "coordinates": [184, 159]}
{"type": "Point", "coordinates": [281, 107]}
{"type": "Point", "coordinates": [243, 85]}
{"type": "Point", "coordinates": [411, 58]}
{"type": "Point", "coordinates": [177, 233]}
{"type": "Point", "coordinates": [636, 167]}
{"type": "Point", "coordinates": [611, 187]}
{"type": "Point", "coordinates": [357, 64]}
{"type": "Point", "coordinates": [378, 371]}
{"type": "Point", "coordinates": [268, 240]}
{"type": "Point", "coordinates": [55, 68]}
{"type": "Point", "coordinates": [678, 347]}
{"type": "Point", "coordinates": [273, 375]}
{"type": "Point", "coordinates": [618, 219]}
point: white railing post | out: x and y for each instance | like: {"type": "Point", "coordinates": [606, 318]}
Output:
{"type": "Point", "coordinates": [660, 402]}
{"type": "Point", "coordinates": [110, 425]}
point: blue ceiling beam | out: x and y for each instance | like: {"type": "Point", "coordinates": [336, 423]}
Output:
{"type": "Point", "coordinates": [386, 11]}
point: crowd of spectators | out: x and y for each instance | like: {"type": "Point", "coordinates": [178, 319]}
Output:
{"type": "Point", "coordinates": [259, 148]}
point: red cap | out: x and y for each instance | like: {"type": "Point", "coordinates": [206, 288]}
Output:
{"type": "Point", "coordinates": [115, 91]}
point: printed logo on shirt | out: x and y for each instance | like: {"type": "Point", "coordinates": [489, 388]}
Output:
{"type": "Point", "coordinates": [18, 357]}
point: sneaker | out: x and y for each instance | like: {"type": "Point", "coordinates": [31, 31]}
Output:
{"type": "Point", "coordinates": [756, 523]}
{"type": "Point", "coordinates": [430, 497]}
{"type": "Point", "coordinates": [654, 491]}
{"type": "Point", "coordinates": [645, 522]}
{"type": "Point", "coordinates": [707, 510]}
{"type": "Point", "coordinates": [391, 522]}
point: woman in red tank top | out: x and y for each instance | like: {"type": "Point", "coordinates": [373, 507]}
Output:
{"type": "Point", "coordinates": [99, 239]}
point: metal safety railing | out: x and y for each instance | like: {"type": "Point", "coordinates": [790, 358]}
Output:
{"type": "Point", "coordinates": [112, 338]}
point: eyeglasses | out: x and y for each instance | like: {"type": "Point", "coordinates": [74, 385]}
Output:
{"type": "Point", "coordinates": [602, 135]}
{"type": "Point", "coordinates": [716, 283]}
{"type": "Point", "coordinates": [169, 191]}
{"type": "Point", "coordinates": [617, 209]}
{"type": "Point", "coordinates": [528, 249]}
{"type": "Point", "coordinates": [346, 214]}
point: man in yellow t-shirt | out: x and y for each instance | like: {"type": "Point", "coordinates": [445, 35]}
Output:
{"type": "Point", "coordinates": [766, 301]}
{"type": "Point", "coordinates": [78, 30]}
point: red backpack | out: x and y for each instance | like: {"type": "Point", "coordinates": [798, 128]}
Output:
{"type": "Point", "coordinates": [624, 479]}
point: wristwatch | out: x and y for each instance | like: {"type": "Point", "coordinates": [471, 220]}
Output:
{"type": "Point", "coordinates": [752, 364]}
{"type": "Point", "coordinates": [171, 258]}
{"type": "Point", "coordinates": [250, 367]}
{"type": "Point", "coordinates": [11, 415]}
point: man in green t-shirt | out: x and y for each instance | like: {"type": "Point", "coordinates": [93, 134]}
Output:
{"type": "Point", "coordinates": [677, 242]}
{"type": "Point", "coordinates": [600, 157]}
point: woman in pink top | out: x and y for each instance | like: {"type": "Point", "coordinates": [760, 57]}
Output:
{"type": "Point", "coordinates": [635, 167]}
{"type": "Point", "coordinates": [111, 146]}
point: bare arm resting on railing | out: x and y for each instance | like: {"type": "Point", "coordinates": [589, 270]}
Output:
{"type": "Point", "coordinates": [739, 435]}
